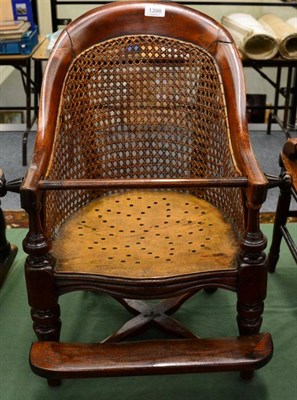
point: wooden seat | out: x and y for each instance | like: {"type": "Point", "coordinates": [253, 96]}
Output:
{"type": "Point", "coordinates": [146, 234]}
{"type": "Point", "coordinates": [288, 191]}
{"type": "Point", "coordinates": [143, 185]}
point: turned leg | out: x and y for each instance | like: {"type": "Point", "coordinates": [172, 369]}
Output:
{"type": "Point", "coordinates": [249, 320]}
{"type": "Point", "coordinates": [252, 282]}
{"type": "Point", "coordinates": [46, 323]}
{"type": "Point", "coordinates": [39, 272]}
{"type": "Point", "coordinates": [281, 215]}
{"type": "Point", "coordinates": [45, 310]}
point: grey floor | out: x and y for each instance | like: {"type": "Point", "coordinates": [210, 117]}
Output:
{"type": "Point", "coordinates": [11, 163]}
{"type": "Point", "coordinates": [266, 148]}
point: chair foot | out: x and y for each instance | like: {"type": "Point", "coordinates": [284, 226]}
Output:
{"type": "Point", "coordinates": [54, 382]}
{"type": "Point", "coordinates": [272, 261]}
{"type": "Point", "coordinates": [210, 290]}
{"type": "Point", "coordinates": [247, 375]}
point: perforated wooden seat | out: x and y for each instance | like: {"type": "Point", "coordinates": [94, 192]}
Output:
{"type": "Point", "coordinates": [146, 234]}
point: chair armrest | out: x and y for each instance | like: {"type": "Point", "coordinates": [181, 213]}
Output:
{"type": "Point", "coordinates": [257, 182]}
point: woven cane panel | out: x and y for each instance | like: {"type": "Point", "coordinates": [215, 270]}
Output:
{"type": "Point", "coordinates": [146, 234]}
{"type": "Point", "coordinates": [142, 107]}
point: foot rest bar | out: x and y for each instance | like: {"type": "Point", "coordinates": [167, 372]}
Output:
{"type": "Point", "coordinates": [65, 360]}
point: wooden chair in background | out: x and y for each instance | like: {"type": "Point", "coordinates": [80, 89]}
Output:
{"type": "Point", "coordinates": [143, 185]}
{"type": "Point", "coordinates": [288, 191]}
{"type": "Point", "coordinates": [8, 251]}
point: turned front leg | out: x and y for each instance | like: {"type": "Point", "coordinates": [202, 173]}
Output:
{"type": "Point", "coordinates": [45, 310]}
{"type": "Point", "coordinates": [252, 284]}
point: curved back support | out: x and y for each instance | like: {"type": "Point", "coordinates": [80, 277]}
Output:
{"type": "Point", "coordinates": [127, 18]}
{"type": "Point", "coordinates": [127, 95]}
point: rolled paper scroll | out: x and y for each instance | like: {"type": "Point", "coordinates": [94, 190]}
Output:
{"type": "Point", "coordinates": [292, 21]}
{"type": "Point", "coordinates": [253, 40]}
{"type": "Point", "coordinates": [285, 33]}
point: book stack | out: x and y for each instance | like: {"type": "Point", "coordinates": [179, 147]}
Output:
{"type": "Point", "coordinates": [13, 30]}
{"type": "Point", "coordinates": [17, 37]}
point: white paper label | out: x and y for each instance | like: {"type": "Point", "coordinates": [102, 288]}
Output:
{"type": "Point", "coordinates": [154, 10]}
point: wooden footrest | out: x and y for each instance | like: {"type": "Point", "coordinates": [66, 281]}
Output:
{"type": "Point", "coordinates": [65, 360]}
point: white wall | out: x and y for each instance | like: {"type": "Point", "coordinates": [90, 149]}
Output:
{"type": "Point", "coordinates": [44, 16]}
{"type": "Point", "coordinates": [5, 71]}
{"type": "Point", "coordinates": [72, 11]}
{"type": "Point", "coordinates": [255, 84]}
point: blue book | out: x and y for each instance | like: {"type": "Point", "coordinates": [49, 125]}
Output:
{"type": "Point", "coordinates": [22, 11]}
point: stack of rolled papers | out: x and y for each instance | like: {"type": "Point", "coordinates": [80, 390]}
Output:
{"type": "Point", "coordinates": [292, 21]}
{"type": "Point", "coordinates": [262, 39]}
{"type": "Point", "coordinates": [285, 31]}
{"type": "Point", "coordinates": [251, 37]}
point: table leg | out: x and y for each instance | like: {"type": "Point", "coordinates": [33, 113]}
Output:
{"type": "Point", "coordinates": [28, 111]}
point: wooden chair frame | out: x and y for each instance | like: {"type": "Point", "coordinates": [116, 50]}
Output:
{"type": "Point", "coordinates": [248, 279]}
